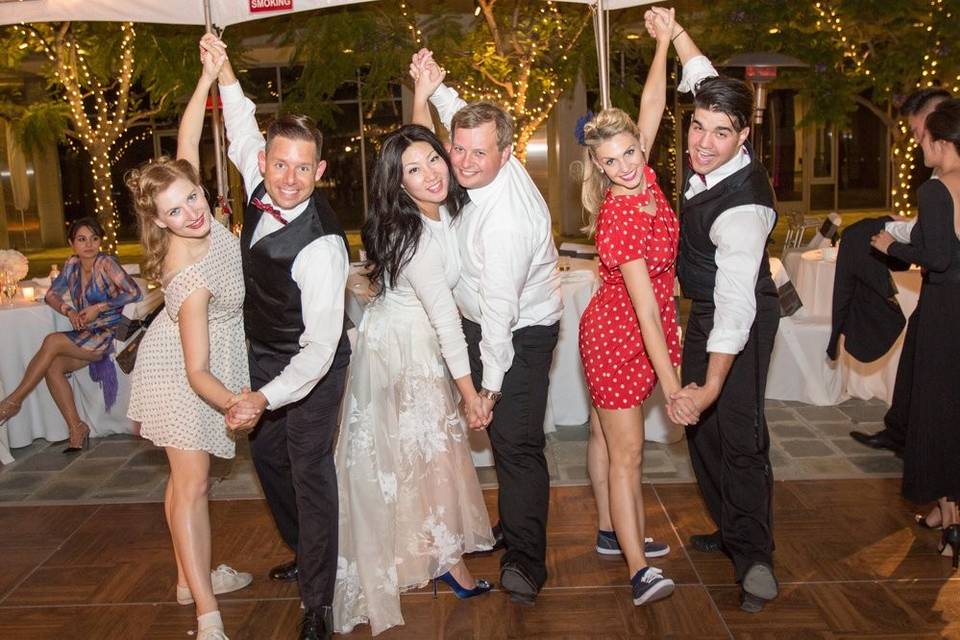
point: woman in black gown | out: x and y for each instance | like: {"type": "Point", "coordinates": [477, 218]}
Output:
{"type": "Point", "coordinates": [931, 468]}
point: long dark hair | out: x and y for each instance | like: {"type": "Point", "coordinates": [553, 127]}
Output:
{"type": "Point", "coordinates": [393, 226]}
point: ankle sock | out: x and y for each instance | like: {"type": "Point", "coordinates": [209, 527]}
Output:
{"type": "Point", "coordinates": [211, 619]}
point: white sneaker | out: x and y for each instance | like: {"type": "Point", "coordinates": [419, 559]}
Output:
{"type": "Point", "coordinates": [212, 633]}
{"type": "Point", "coordinates": [224, 579]}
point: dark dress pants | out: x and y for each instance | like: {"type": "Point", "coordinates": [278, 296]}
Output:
{"type": "Point", "coordinates": [897, 416]}
{"type": "Point", "coordinates": [292, 451]}
{"type": "Point", "coordinates": [516, 436]}
{"type": "Point", "coordinates": [730, 446]}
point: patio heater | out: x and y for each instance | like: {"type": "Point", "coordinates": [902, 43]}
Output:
{"type": "Point", "coordinates": [760, 70]}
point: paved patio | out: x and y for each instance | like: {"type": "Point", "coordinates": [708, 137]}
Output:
{"type": "Point", "coordinates": [808, 443]}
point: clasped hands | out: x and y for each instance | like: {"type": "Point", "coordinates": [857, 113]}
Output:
{"type": "Point", "coordinates": [477, 411]}
{"type": "Point", "coordinates": [80, 319]}
{"type": "Point", "coordinates": [244, 409]}
{"type": "Point", "coordinates": [686, 405]}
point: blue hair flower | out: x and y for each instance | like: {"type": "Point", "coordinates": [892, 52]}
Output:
{"type": "Point", "coordinates": [581, 123]}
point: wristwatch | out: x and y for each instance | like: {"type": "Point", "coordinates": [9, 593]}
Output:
{"type": "Point", "coordinates": [490, 395]}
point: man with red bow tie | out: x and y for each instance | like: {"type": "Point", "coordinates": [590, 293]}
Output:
{"type": "Point", "coordinates": [295, 263]}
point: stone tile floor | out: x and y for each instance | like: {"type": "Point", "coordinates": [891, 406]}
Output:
{"type": "Point", "coordinates": [807, 443]}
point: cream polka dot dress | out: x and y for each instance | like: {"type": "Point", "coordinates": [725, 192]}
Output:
{"type": "Point", "coordinates": [618, 371]}
{"type": "Point", "coordinates": [169, 412]}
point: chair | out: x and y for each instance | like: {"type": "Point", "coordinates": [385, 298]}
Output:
{"type": "Point", "coordinates": [797, 225]}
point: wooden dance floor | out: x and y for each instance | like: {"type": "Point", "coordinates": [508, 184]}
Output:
{"type": "Point", "coordinates": [851, 565]}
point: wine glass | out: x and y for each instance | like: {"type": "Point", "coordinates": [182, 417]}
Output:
{"type": "Point", "coordinates": [10, 286]}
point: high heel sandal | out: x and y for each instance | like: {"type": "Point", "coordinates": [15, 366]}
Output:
{"type": "Point", "coordinates": [79, 433]}
{"type": "Point", "coordinates": [950, 541]}
{"type": "Point", "coordinates": [462, 593]}
{"type": "Point", "coordinates": [921, 520]}
{"type": "Point", "coordinates": [8, 409]}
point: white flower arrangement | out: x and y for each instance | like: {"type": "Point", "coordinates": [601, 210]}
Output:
{"type": "Point", "coordinates": [14, 263]}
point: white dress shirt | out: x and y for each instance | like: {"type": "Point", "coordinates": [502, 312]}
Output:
{"type": "Point", "coordinates": [740, 235]}
{"type": "Point", "coordinates": [320, 269]}
{"type": "Point", "coordinates": [508, 277]}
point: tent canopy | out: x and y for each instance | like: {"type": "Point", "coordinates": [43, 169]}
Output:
{"type": "Point", "coordinates": [223, 12]}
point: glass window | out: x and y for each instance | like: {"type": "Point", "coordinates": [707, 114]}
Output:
{"type": "Point", "coordinates": [862, 160]}
{"type": "Point", "coordinates": [823, 151]}
{"type": "Point", "coordinates": [786, 167]}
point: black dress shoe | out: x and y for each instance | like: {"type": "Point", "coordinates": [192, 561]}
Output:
{"type": "Point", "coordinates": [879, 440]}
{"type": "Point", "coordinates": [520, 586]}
{"type": "Point", "coordinates": [707, 542]}
{"type": "Point", "coordinates": [317, 624]}
{"type": "Point", "coordinates": [284, 572]}
{"type": "Point", "coordinates": [498, 542]}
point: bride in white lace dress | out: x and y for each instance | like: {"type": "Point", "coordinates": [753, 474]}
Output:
{"type": "Point", "coordinates": [410, 501]}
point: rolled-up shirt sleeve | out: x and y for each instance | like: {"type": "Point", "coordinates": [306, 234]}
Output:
{"type": "Point", "coordinates": [320, 271]}
{"type": "Point", "coordinates": [740, 235]}
{"type": "Point", "coordinates": [900, 230]}
{"type": "Point", "coordinates": [507, 258]}
{"type": "Point", "coordinates": [694, 72]}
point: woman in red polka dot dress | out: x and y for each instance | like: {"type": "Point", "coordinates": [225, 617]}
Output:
{"type": "Point", "coordinates": [628, 333]}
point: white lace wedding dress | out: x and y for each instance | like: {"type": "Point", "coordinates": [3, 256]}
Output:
{"type": "Point", "coordinates": [410, 501]}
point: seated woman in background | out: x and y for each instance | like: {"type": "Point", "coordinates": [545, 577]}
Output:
{"type": "Point", "coordinates": [98, 290]}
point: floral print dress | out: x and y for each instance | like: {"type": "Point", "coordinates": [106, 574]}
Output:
{"type": "Point", "coordinates": [410, 500]}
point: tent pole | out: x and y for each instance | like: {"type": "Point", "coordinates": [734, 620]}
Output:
{"type": "Point", "coordinates": [600, 25]}
{"type": "Point", "coordinates": [215, 116]}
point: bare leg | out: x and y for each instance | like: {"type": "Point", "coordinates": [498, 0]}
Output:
{"type": "Point", "coordinates": [190, 522]}
{"type": "Point", "coordinates": [167, 512]}
{"type": "Point", "coordinates": [598, 470]}
{"type": "Point", "coordinates": [949, 512]}
{"type": "Point", "coordinates": [54, 345]}
{"type": "Point", "coordinates": [623, 430]}
{"type": "Point", "coordinates": [462, 575]}
{"type": "Point", "coordinates": [60, 388]}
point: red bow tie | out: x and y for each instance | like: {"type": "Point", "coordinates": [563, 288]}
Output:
{"type": "Point", "coordinates": [268, 208]}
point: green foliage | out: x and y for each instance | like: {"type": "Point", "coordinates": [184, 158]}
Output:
{"type": "Point", "coordinates": [889, 38]}
{"type": "Point", "coordinates": [41, 124]}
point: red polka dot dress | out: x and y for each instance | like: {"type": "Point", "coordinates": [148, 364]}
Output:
{"type": "Point", "coordinates": [618, 371]}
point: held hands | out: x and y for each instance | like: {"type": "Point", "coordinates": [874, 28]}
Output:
{"type": "Point", "coordinates": [88, 315]}
{"type": "Point", "coordinates": [882, 241]}
{"type": "Point", "coordinates": [660, 24]}
{"type": "Point", "coordinates": [76, 321]}
{"type": "Point", "coordinates": [688, 403]}
{"type": "Point", "coordinates": [244, 410]}
{"type": "Point", "coordinates": [213, 55]}
{"type": "Point", "coordinates": [478, 411]}
{"type": "Point", "coordinates": [426, 73]}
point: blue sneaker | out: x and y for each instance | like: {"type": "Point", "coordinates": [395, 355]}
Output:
{"type": "Point", "coordinates": [608, 545]}
{"type": "Point", "coordinates": [649, 585]}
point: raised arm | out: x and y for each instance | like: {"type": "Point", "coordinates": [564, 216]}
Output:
{"type": "Point", "coordinates": [686, 48]}
{"type": "Point", "coordinates": [427, 76]}
{"type": "Point", "coordinates": [653, 100]}
{"type": "Point", "coordinates": [212, 56]}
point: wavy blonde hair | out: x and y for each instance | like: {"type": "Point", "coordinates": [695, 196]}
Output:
{"type": "Point", "coordinates": [598, 130]}
{"type": "Point", "coordinates": [144, 184]}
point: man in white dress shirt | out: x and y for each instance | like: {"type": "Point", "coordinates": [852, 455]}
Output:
{"type": "Point", "coordinates": [295, 263]}
{"type": "Point", "coordinates": [509, 295]}
{"type": "Point", "coordinates": [726, 216]}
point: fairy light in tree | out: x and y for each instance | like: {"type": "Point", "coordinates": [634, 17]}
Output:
{"type": "Point", "coordinates": [828, 18]}
{"type": "Point", "coordinates": [99, 126]}
{"type": "Point", "coordinates": [415, 32]}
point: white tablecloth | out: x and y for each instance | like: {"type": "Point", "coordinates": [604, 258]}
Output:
{"type": "Point", "coordinates": [23, 327]}
{"type": "Point", "coordinates": [814, 283]}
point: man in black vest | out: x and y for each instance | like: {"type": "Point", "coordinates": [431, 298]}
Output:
{"type": "Point", "coordinates": [295, 263]}
{"type": "Point", "coordinates": [726, 216]}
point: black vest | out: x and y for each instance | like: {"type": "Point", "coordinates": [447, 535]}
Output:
{"type": "Point", "coordinates": [273, 316]}
{"type": "Point", "coordinates": [697, 264]}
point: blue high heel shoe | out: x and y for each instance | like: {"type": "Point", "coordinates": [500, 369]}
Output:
{"type": "Point", "coordinates": [482, 587]}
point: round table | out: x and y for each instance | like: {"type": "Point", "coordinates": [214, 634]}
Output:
{"type": "Point", "coordinates": [814, 283]}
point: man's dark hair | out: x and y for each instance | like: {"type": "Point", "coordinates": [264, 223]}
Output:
{"type": "Point", "coordinates": [295, 127]}
{"type": "Point", "coordinates": [722, 94]}
{"type": "Point", "coordinates": [918, 100]}
{"type": "Point", "coordinates": [944, 123]}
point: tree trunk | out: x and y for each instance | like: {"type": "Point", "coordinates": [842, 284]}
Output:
{"type": "Point", "coordinates": [102, 187]}
{"type": "Point", "coordinates": [901, 154]}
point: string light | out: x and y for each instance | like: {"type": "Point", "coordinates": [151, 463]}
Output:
{"type": "Point", "coordinates": [535, 85]}
{"type": "Point", "coordinates": [98, 128]}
